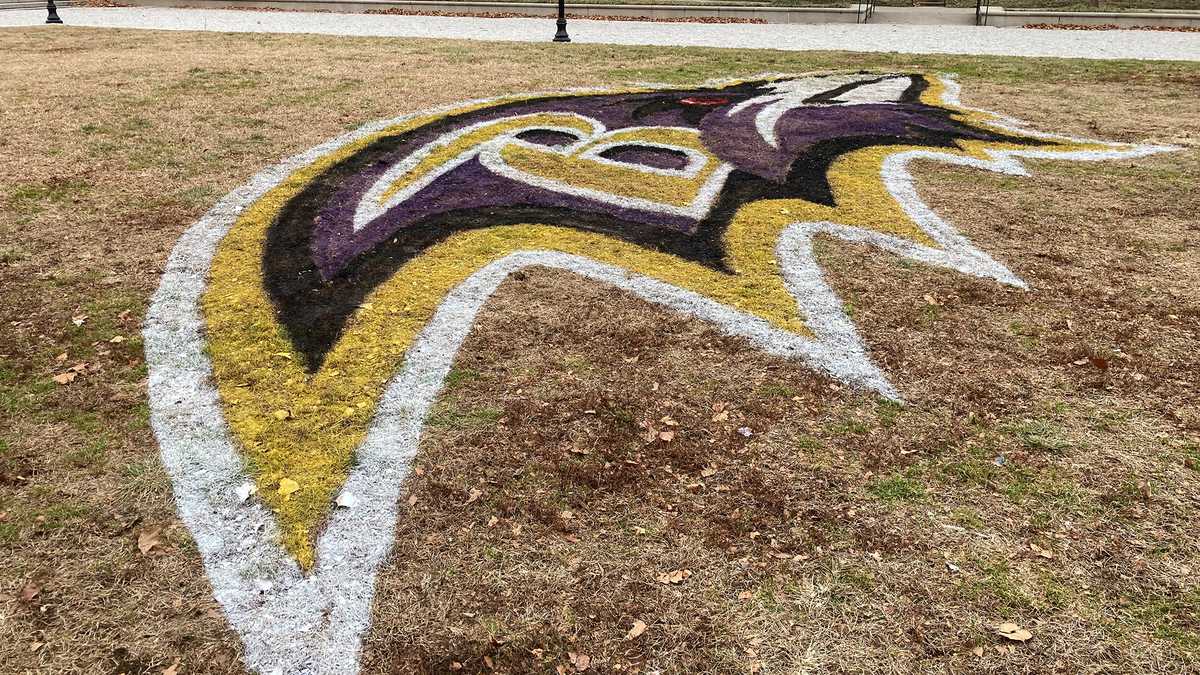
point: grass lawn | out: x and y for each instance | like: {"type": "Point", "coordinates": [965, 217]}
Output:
{"type": "Point", "coordinates": [1045, 469]}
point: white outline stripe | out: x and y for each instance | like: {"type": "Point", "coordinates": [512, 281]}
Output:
{"type": "Point", "coordinates": [294, 623]}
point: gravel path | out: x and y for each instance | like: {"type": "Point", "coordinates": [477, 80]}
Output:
{"type": "Point", "coordinates": [1125, 44]}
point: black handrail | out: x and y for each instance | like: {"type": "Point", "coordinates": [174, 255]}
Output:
{"type": "Point", "coordinates": [866, 9]}
{"type": "Point", "coordinates": [982, 9]}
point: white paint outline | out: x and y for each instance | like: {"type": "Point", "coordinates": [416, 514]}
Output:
{"type": "Point", "coordinates": [792, 94]}
{"type": "Point", "coordinates": [490, 155]}
{"type": "Point", "coordinates": [296, 623]}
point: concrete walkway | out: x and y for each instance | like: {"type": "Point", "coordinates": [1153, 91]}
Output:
{"type": "Point", "coordinates": [1125, 44]}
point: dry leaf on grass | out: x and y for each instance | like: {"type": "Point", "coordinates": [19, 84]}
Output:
{"type": "Point", "coordinates": [64, 378]}
{"type": "Point", "coordinates": [581, 661]}
{"type": "Point", "coordinates": [148, 540]}
{"type": "Point", "coordinates": [1042, 552]}
{"type": "Point", "coordinates": [172, 669]}
{"type": "Point", "coordinates": [1012, 631]}
{"type": "Point", "coordinates": [674, 577]}
{"type": "Point", "coordinates": [476, 493]}
{"type": "Point", "coordinates": [29, 591]}
{"type": "Point", "coordinates": [638, 628]}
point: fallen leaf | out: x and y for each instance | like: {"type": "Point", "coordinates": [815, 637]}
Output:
{"type": "Point", "coordinates": [34, 646]}
{"type": "Point", "coordinates": [1012, 631]}
{"type": "Point", "coordinates": [412, 499]}
{"type": "Point", "coordinates": [149, 540]}
{"type": "Point", "coordinates": [669, 421]}
{"type": "Point", "coordinates": [931, 300]}
{"type": "Point", "coordinates": [1043, 552]}
{"type": "Point", "coordinates": [639, 627]}
{"type": "Point", "coordinates": [30, 591]}
{"type": "Point", "coordinates": [580, 661]}
{"type": "Point", "coordinates": [492, 521]}
{"type": "Point", "coordinates": [722, 416]}
{"type": "Point", "coordinates": [287, 486]}
{"type": "Point", "coordinates": [745, 595]}
{"type": "Point", "coordinates": [978, 651]}
{"type": "Point", "coordinates": [282, 414]}
{"type": "Point", "coordinates": [64, 378]}
{"type": "Point", "coordinates": [674, 577]}
{"type": "Point", "coordinates": [667, 436]}
{"type": "Point", "coordinates": [78, 319]}
{"type": "Point", "coordinates": [566, 515]}
{"type": "Point", "coordinates": [476, 493]}
{"type": "Point", "coordinates": [61, 357]}
{"type": "Point", "coordinates": [117, 339]}
{"type": "Point", "coordinates": [172, 669]}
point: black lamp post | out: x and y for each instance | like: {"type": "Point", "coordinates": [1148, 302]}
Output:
{"type": "Point", "coordinates": [561, 35]}
{"type": "Point", "coordinates": [52, 12]}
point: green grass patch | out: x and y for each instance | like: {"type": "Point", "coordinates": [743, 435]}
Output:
{"type": "Point", "coordinates": [460, 376]}
{"type": "Point", "coordinates": [1039, 434]}
{"type": "Point", "coordinates": [895, 489]}
{"type": "Point", "coordinates": [451, 417]}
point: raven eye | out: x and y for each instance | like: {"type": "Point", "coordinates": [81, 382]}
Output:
{"type": "Point", "coordinates": [550, 137]}
{"type": "Point", "coordinates": [646, 155]}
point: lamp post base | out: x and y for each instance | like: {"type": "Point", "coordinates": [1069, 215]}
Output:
{"type": "Point", "coordinates": [52, 12]}
{"type": "Point", "coordinates": [561, 35]}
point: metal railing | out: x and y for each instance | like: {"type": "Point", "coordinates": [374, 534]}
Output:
{"type": "Point", "coordinates": [982, 8]}
{"type": "Point", "coordinates": [866, 9]}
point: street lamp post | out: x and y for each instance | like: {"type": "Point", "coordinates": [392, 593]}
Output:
{"type": "Point", "coordinates": [561, 35]}
{"type": "Point", "coordinates": [52, 12]}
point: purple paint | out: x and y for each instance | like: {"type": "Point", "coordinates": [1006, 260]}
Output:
{"type": "Point", "coordinates": [734, 139]}
{"type": "Point", "coordinates": [655, 158]}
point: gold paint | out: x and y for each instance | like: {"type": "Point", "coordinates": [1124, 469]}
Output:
{"type": "Point", "coordinates": [257, 372]}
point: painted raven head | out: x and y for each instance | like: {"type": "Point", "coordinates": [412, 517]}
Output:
{"type": "Point", "coordinates": [665, 169]}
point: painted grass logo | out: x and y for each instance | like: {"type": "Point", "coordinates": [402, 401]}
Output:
{"type": "Point", "coordinates": [304, 326]}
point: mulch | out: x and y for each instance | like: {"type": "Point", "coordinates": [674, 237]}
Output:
{"type": "Point", "coordinates": [1109, 26]}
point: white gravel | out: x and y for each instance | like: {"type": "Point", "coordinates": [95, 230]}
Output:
{"type": "Point", "coordinates": [1124, 44]}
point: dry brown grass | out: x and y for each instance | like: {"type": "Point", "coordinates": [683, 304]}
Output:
{"type": "Point", "coordinates": [846, 535]}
